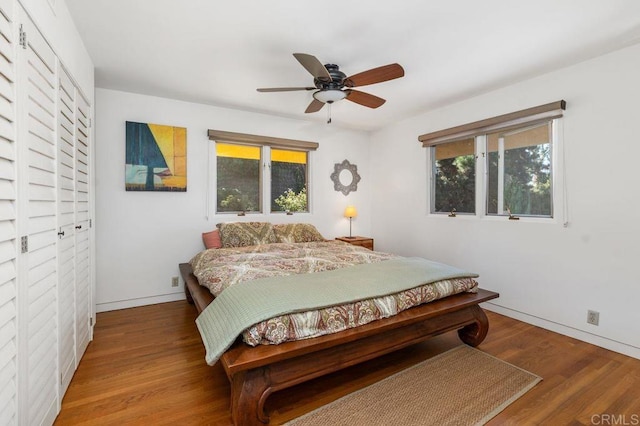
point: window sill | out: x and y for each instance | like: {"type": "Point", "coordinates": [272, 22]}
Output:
{"type": "Point", "coordinates": [494, 218]}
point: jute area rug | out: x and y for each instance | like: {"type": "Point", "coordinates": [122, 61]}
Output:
{"type": "Point", "coordinates": [462, 386]}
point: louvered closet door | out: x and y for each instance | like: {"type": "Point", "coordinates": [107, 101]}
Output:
{"type": "Point", "coordinates": [8, 233]}
{"type": "Point", "coordinates": [66, 230]}
{"type": "Point", "coordinates": [83, 294]}
{"type": "Point", "coordinates": [37, 296]}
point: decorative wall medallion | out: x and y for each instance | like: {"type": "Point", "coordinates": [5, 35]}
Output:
{"type": "Point", "coordinates": [345, 177]}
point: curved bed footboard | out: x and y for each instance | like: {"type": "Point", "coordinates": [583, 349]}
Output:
{"type": "Point", "coordinates": [256, 372]}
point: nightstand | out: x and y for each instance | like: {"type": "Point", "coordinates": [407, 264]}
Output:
{"type": "Point", "coordinates": [365, 242]}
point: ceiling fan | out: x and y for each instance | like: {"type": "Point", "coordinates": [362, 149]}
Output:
{"type": "Point", "coordinates": [333, 85]}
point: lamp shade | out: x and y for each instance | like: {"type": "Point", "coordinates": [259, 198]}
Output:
{"type": "Point", "coordinates": [329, 96]}
{"type": "Point", "coordinates": [350, 212]}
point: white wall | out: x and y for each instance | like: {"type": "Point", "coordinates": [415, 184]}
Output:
{"type": "Point", "coordinates": [546, 274]}
{"type": "Point", "coordinates": [141, 237]}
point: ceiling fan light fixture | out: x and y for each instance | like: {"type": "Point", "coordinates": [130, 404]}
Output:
{"type": "Point", "coordinates": [329, 96]}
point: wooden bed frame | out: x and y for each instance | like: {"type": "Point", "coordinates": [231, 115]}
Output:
{"type": "Point", "coordinates": [256, 372]}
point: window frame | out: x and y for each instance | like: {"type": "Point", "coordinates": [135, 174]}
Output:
{"type": "Point", "coordinates": [270, 185]}
{"type": "Point", "coordinates": [260, 184]}
{"type": "Point", "coordinates": [265, 143]}
{"type": "Point", "coordinates": [551, 124]}
{"type": "Point", "coordinates": [552, 112]}
{"type": "Point", "coordinates": [433, 169]}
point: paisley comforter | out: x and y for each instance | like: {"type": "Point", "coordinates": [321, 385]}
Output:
{"type": "Point", "coordinates": [218, 269]}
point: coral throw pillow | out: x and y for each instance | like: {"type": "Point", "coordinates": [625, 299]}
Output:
{"type": "Point", "coordinates": [211, 239]}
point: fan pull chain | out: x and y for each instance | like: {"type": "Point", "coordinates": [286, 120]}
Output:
{"type": "Point", "coordinates": [329, 113]}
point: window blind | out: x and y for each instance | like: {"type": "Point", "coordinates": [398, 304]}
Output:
{"type": "Point", "coordinates": [516, 119]}
{"type": "Point", "coordinates": [222, 136]}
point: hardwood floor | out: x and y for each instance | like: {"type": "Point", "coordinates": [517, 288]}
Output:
{"type": "Point", "coordinates": [146, 366]}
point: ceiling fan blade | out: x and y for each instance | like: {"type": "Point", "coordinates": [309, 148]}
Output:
{"type": "Point", "coordinates": [285, 89]}
{"type": "Point", "coordinates": [365, 99]}
{"type": "Point", "coordinates": [375, 75]}
{"type": "Point", "coordinates": [314, 106]}
{"type": "Point", "coordinates": [313, 65]}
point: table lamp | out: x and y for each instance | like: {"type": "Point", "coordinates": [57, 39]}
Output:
{"type": "Point", "coordinates": [350, 212]}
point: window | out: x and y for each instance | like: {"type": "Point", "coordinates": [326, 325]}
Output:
{"type": "Point", "coordinates": [454, 183]}
{"type": "Point", "coordinates": [251, 169]}
{"type": "Point", "coordinates": [289, 181]}
{"type": "Point", "coordinates": [238, 178]}
{"type": "Point", "coordinates": [519, 171]}
{"type": "Point", "coordinates": [498, 166]}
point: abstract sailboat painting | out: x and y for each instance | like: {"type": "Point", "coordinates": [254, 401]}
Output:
{"type": "Point", "coordinates": [156, 157]}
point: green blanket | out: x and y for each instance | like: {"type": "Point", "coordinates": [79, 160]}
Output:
{"type": "Point", "coordinates": [244, 304]}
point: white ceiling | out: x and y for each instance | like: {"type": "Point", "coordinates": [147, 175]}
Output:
{"type": "Point", "coordinates": [218, 53]}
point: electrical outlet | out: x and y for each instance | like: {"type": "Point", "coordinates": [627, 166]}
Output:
{"type": "Point", "coordinates": [593, 317]}
{"type": "Point", "coordinates": [175, 282]}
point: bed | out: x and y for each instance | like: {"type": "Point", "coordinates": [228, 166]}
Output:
{"type": "Point", "coordinates": [257, 371]}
